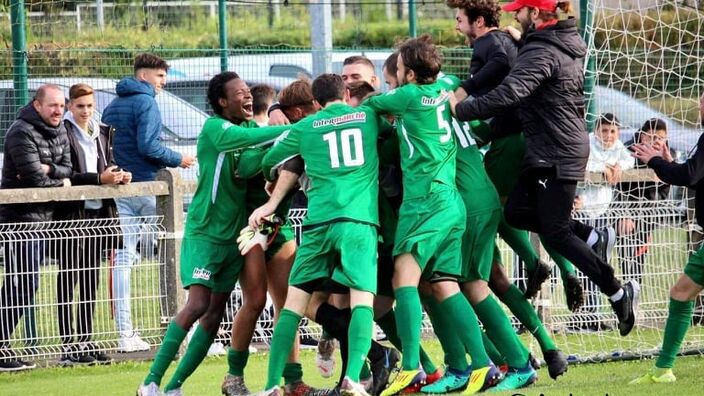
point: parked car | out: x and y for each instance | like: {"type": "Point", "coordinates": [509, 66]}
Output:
{"type": "Point", "coordinates": [181, 121]}
{"type": "Point", "coordinates": [188, 77]}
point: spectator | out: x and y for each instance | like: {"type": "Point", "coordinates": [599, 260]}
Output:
{"type": "Point", "coordinates": [137, 148]}
{"type": "Point", "coordinates": [609, 156]}
{"type": "Point", "coordinates": [635, 232]}
{"type": "Point", "coordinates": [36, 155]}
{"type": "Point", "coordinates": [91, 155]}
{"type": "Point", "coordinates": [263, 97]}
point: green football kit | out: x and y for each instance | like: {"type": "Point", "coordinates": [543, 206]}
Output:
{"type": "Point", "coordinates": [338, 147]}
{"type": "Point", "coordinates": [432, 215]}
{"type": "Point", "coordinates": [217, 211]}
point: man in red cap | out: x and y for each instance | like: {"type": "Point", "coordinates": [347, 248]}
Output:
{"type": "Point", "coordinates": [547, 85]}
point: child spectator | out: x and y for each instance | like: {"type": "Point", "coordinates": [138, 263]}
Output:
{"type": "Point", "coordinates": [607, 155]}
{"type": "Point", "coordinates": [635, 232]}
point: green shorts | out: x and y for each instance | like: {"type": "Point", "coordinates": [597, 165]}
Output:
{"type": "Point", "coordinates": [344, 251]}
{"type": "Point", "coordinates": [285, 235]}
{"type": "Point", "coordinates": [213, 265]}
{"type": "Point", "coordinates": [478, 245]}
{"type": "Point", "coordinates": [503, 162]}
{"type": "Point", "coordinates": [695, 267]}
{"type": "Point", "coordinates": [431, 228]}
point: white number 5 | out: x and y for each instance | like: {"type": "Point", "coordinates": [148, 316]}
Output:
{"type": "Point", "coordinates": [443, 124]}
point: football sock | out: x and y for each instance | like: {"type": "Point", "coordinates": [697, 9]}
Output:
{"type": "Point", "coordinates": [281, 343]}
{"type": "Point", "coordinates": [236, 361]}
{"type": "Point", "coordinates": [195, 353]}
{"type": "Point", "coordinates": [292, 372]}
{"type": "Point", "coordinates": [519, 241]}
{"type": "Point", "coordinates": [443, 325]}
{"type": "Point", "coordinates": [501, 333]}
{"type": "Point", "coordinates": [496, 357]}
{"type": "Point", "coordinates": [409, 316]}
{"type": "Point", "coordinates": [467, 327]}
{"type": "Point", "coordinates": [525, 313]}
{"type": "Point", "coordinates": [166, 353]}
{"type": "Point", "coordinates": [678, 321]}
{"type": "Point", "coordinates": [565, 266]}
{"type": "Point", "coordinates": [360, 339]}
{"type": "Point", "coordinates": [388, 325]}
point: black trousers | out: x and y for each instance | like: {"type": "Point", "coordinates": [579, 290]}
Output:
{"type": "Point", "coordinates": [21, 280]}
{"type": "Point", "coordinates": [79, 265]}
{"type": "Point", "coordinates": [542, 203]}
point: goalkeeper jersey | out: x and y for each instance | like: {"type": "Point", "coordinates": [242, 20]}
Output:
{"type": "Point", "coordinates": [217, 212]}
{"type": "Point", "coordinates": [427, 146]}
{"type": "Point", "coordinates": [338, 146]}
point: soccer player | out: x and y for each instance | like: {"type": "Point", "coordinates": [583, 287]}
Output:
{"type": "Point", "coordinates": [338, 146]}
{"type": "Point", "coordinates": [354, 68]}
{"type": "Point", "coordinates": [691, 282]}
{"type": "Point", "coordinates": [210, 260]}
{"type": "Point", "coordinates": [432, 215]}
{"type": "Point", "coordinates": [264, 271]}
{"type": "Point", "coordinates": [494, 53]}
{"type": "Point", "coordinates": [359, 68]}
{"type": "Point", "coordinates": [548, 74]}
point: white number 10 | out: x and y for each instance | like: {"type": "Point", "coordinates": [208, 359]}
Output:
{"type": "Point", "coordinates": [350, 139]}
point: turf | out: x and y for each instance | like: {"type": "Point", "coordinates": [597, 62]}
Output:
{"type": "Point", "coordinates": [123, 378]}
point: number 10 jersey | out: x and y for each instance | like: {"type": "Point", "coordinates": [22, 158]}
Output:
{"type": "Point", "coordinates": [339, 147]}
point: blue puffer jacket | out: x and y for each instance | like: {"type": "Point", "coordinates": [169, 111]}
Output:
{"type": "Point", "coordinates": [137, 121]}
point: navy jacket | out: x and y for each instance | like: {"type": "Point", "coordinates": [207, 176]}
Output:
{"type": "Point", "coordinates": [137, 121]}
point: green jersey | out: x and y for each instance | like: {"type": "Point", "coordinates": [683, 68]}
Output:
{"type": "Point", "coordinates": [475, 187]}
{"type": "Point", "coordinates": [425, 133]}
{"type": "Point", "coordinates": [217, 212]}
{"type": "Point", "coordinates": [338, 146]}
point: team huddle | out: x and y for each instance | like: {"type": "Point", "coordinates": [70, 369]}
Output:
{"type": "Point", "coordinates": [402, 214]}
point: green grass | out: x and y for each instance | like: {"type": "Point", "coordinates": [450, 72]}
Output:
{"type": "Point", "coordinates": [123, 378]}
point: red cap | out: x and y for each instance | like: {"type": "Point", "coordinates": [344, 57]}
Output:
{"type": "Point", "coordinates": [545, 5]}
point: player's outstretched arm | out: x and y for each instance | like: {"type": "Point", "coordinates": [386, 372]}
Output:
{"type": "Point", "coordinates": [286, 148]}
{"type": "Point", "coordinates": [234, 137]}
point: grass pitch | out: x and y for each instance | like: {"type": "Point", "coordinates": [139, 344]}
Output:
{"type": "Point", "coordinates": [123, 378]}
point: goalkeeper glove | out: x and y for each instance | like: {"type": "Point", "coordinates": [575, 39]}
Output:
{"type": "Point", "coordinates": [262, 235]}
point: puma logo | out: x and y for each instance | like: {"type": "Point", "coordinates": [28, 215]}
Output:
{"type": "Point", "coordinates": [544, 183]}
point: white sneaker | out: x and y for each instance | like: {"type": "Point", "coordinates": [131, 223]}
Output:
{"type": "Point", "coordinates": [351, 388]}
{"type": "Point", "coordinates": [132, 343]}
{"type": "Point", "coordinates": [252, 349]}
{"type": "Point", "coordinates": [149, 390]}
{"type": "Point", "coordinates": [216, 349]}
{"type": "Point", "coordinates": [174, 392]}
{"type": "Point", "coordinates": [324, 359]}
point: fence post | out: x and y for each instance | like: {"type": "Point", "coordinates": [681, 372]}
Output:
{"type": "Point", "coordinates": [171, 207]}
{"type": "Point", "coordinates": [19, 54]}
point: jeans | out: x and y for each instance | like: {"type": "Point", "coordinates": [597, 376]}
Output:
{"type": "Point", "coordinates": [128, 209]}
{"type": "Point", "coordinates": [21, 280]}
{"type": "Point", "coordinates": [542, 203]}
